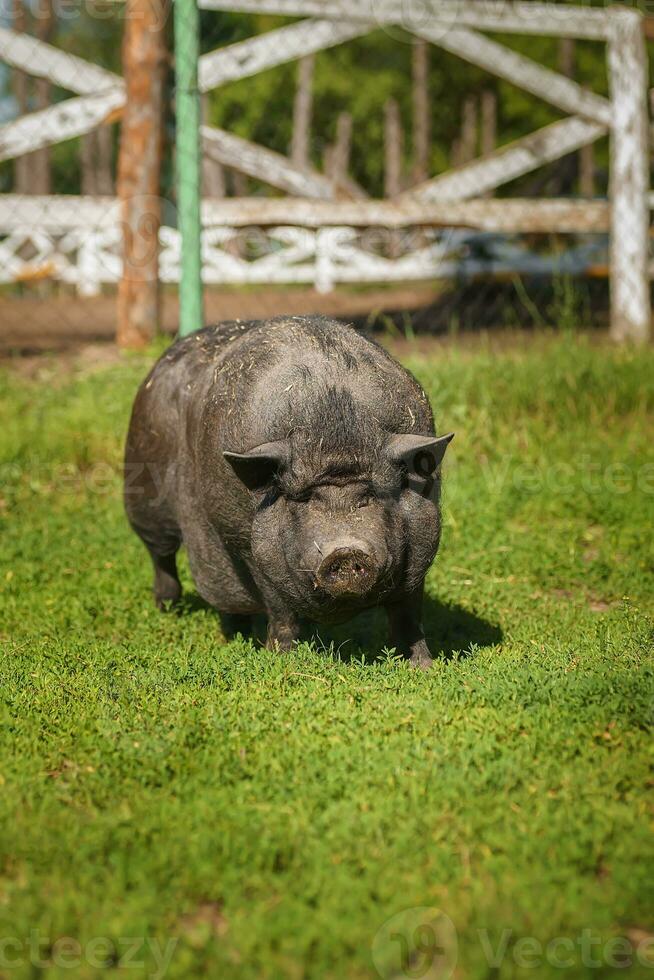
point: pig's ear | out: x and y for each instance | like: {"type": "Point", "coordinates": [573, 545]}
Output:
{"type": "Point", "coordinates": [419, 452]}
{"type": "Point", "coordinates": [258, 466]}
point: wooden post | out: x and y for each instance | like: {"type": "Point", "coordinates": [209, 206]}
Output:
{"type": "Point", "coordinates": [139, 166]}
{"type": "Point", "coordinates": [628, 75]}
{"type": "Point", "coordinates": [421, 119]}
{"type": "Point", "coordinates": [302, 112]}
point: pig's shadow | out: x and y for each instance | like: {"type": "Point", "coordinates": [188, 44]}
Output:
{"type": "Point", "coordinates": [450, 630]}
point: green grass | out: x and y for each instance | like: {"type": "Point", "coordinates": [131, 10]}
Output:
{"type": "Point", "coordinates": [268, 815]}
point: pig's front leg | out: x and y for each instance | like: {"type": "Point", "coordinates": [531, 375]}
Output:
{"type": "Point", "coordinates": [282, 634]}
{"type": "Point", "coordinates": [283, 629]}
{"type": "Point", "coordinates": [283, 624]}
{"type": "Point", "coordinates": [406, 632]}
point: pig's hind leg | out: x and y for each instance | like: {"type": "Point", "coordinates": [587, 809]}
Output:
{"type": "Point", "coordinates": [155, 523]}
{"type": "Point", "coordinates": [162, 543]}
{"type": "Point", "coordinates": [167, 587]}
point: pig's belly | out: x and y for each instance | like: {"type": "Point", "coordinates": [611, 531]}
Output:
{"type": "Point", "coordinates": [220, 582]}
{"type": "Point", "coordinates": [337, 614]}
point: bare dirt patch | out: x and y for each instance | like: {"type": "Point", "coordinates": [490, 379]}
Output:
{"type": "Point", "coordinates": [34, 324]}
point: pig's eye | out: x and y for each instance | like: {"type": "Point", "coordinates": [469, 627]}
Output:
{"type": "Point", "coordinates": [364, 501]}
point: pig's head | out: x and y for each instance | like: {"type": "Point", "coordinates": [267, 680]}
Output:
{"type": "Point", "coordinates": [343, 517]}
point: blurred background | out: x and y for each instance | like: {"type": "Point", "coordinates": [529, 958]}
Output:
{"type": "Point", "coordinates": [374, 115]}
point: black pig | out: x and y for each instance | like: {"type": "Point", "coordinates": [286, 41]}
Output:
{"type": "Point", "coordinates": [298, 464]}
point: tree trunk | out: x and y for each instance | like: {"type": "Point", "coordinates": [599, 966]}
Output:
{"type": "Point", "coordinates": [105, 153]}
{"type": "Point", "coordinates": [421, 120]}
{"type": "Point", "coordinates": [240, 185]}
{"type": "Point", "coordinates": [302, 112]}
{"type": "Point", "coordinates": [393, 153]}
{"type": "Point", "coordinates": [568, 167]}
{"type": "Point", "coordinates": [469, 130]}
{"type": "Point", "coordinates": [586, 157]}
{"type": "Point", "coordinates": [213, 173]}
{"type": "Point", "coordinates": [488, 122]}
{"type": "Point", "coordinates": [488, 126]}
{"type": "Point", "coordinates": [567, 56]}
{"type": "Point", "coordinates": [587, 171]}
{"type": "Point", "coordinates": [139, 170]}
{"type": "Point", "coordinates": [339, 162]}
{"type": "Point", "coordinates": [87, 164]}
{"type": "Point", "coordinates": [96, 162]}
{"type": "Point", "coordinates": [41, 158]}
{"type": "Point", "coordinates": [393, 148]}
{"type": "Point", "coordinates": [20, 86]}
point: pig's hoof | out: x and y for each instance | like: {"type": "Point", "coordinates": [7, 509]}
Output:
{"type": "Point", "coordinates": [169, 600]}
{"type": "Point", "coordinates": [422, 661]}
{"type": "Point", "coordinates": [281, 640]}
{"type": "Point", "coordinates": [280, 645]}
{"type": "Point", "coordinates": [282, 636]}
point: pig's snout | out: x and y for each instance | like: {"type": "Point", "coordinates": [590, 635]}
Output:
{"type": "Point", "coordinates": [347, 571]}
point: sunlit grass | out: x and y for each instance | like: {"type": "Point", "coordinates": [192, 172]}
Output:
{"type": "Point", "coordinates": [267, 815]}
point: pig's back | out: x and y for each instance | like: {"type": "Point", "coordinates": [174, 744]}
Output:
{"type": "Point", "coordinates": [248, 380]}
{"type": "Point", "coordinates": [278, 368]}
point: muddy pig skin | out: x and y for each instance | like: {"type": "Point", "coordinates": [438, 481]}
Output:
{"type": "Point", "coordinates": [298, 464]}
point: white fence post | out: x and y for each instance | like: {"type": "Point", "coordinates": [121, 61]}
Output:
{"type": "Point", "coordinates": [628, 76]}
{"type": "Point", "coordinates": [88, 271]}
{"type": "Point", "coordinates": [324, 272]}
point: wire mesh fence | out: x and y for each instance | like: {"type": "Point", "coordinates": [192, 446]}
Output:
{"type": "Point", "coordinates": [346, 167]}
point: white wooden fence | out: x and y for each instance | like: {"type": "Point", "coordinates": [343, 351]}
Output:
{"type": "Point", "coordinates": [314, 234]}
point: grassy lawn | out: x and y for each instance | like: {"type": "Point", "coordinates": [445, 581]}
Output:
{"type": "Point", "coordinates": [177, 805]}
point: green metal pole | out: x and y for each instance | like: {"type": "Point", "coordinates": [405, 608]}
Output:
{"type": "Point", "coordinates": [187, 112]}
